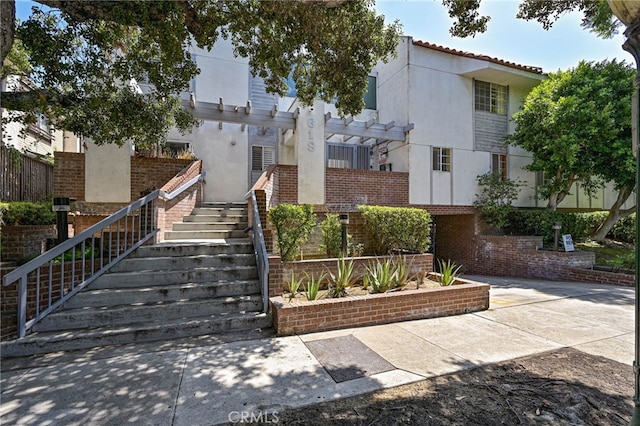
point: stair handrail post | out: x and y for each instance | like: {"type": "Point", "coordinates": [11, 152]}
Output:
{"type": "Point", "coordinates": [260, 249]}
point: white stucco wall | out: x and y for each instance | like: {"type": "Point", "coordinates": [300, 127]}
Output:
{"type": "Point", "coordinates": [107, 177]}
{"type": "Point", "coordinates": [224, 152]}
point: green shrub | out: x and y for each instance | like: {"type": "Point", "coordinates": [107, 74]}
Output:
{"type": "Point", "coordinates": [495, 200]}
{"type": "Point", "coordinates": [26, 213]}
{"type": "Point", "coordinates": [397, 228]}
{"type": "Point", "coordinates": [540, 222]}
{"type": "Point", "coordinates": [624, 230]}
{"type": "Point", "coordinates": [579, 225]}
{"type": "Point", "coordinates": [294, 224]}
{"type": "Point", "coordinates": [331, 235]}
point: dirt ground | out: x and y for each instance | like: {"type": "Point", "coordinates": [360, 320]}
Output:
{"type": "Point", "coordinates": [563, 387]}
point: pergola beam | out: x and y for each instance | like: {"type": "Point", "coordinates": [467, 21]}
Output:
{"type": "Point", "coordinates": [240, 115]}
{"type": "Point", "coordinates": [368, 129]}
{"type": "Point", "coordinates": [272, 118]}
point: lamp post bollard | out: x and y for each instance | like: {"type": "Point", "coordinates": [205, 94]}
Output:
{"type": "Point", "coordinates": [557, 226]}
{"type": "Point", "coordinates": [344, 221]}
{"type": "Point", "coordinates": [61, 207]}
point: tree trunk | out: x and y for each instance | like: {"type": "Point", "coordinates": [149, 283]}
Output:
{"type": "Point", "coordinates": [7, 26]}
{"type": "Point", "coordinates": [614, 215]}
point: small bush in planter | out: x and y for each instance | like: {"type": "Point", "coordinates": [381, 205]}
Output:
{"type": "Point", "coordinates": [331, 235]}
{"type": "Point", "coordinates": [294, 224]}
{"type": "Point", "coordinates": [397, 228]}
{"type": "Point", "coordinates": [27, 213]}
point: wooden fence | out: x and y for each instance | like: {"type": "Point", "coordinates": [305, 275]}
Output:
{"type": "Point", "coordinates": [23, 178]}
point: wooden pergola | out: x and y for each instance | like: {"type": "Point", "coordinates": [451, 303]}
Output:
{"type": "Point", "coordinates": [286, 120]}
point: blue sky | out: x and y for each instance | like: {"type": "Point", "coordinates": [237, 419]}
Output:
{"type": "Point", "coordinates": [508, 38]}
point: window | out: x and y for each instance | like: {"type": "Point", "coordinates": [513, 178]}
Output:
{"type": "Point", "coordinates": [490, 97]}
{"type": "Point", "coordinates": [349, 156]}
{"type": "Point", "coordinates": [499, 165]}
{"type": "Point", "coordinates": [261, 157]}
{"type": "Point", "coordinates": [370, 101]}
{"type": "Point", "coordinates": [176, 149]}
{"type": "Point", "coordinates": [542, 178]}
{"type": "Point", "coordinates": [442, 159]}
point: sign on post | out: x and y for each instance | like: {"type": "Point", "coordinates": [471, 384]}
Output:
{"type": "Point", "coordinates": [567, 241]}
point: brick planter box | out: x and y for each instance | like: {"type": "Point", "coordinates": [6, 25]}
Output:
{"type": "Point", "coordinates": [280, 271]}
{"type": "Point", "coordinates": [356, 311]}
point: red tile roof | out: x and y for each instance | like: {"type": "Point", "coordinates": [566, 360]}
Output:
{"type": "Point", "coordinates": [537, 70]}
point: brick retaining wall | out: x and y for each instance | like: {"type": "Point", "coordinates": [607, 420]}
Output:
{"type": "Point", "coordinates": [21, 242]}
{"type": "Point", "coordinates": [357, 311]}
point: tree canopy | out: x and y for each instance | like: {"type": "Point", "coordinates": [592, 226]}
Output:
{"type": "Point", "coordinates": [596, 15]}
{"type": "Point", "coordinates": [81, 56]}
{"type": "Point", "coordinates": [577, 126]}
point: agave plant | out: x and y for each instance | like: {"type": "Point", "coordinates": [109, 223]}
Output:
{"type": "Point", "coordinates": [343, 279]}
{"type": "Point", "coordinates": [294, 285]}
{"type": "Point", "coordinates": [381, 276]}
{"type": "Point", "coordinates": [313, 286]}
{"type": "Point", "coordinates": [449, 271]}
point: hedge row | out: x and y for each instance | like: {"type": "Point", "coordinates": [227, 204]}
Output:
{"type": "Point", "coordinates": [579, 225]}
{"type": "Point", "coordinates": [27, 213]}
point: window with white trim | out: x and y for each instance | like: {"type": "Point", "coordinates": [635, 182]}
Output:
{"type": "Point", "coordinates": [261, 157]}
{"type": "Point", "coordinates": [441, 159]}
{"type": "Point", "coordinates": [370, 96]}
{"type": "Point", "coordinates": [490, 97]}
{"type": "Point", "coordinates": [499, 165]}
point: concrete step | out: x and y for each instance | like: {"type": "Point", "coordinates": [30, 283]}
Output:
{"type": "Point", "coordinates": [238, 246]}
{"type": "Point", "coordinates": [216, 218]}
{"type": "Point", "coordinates": [203, 235]}
{"type": "Point", "coordinates": [189, 291]}
{"type": "Point", "coordinates": [181, 263]}
{"type": "Point", "coordinates": [209, 226]}
{"type": "Point", "coordinates": [160, 330]}
{"type": "Point", "coordinates": [225, 204]}
{"type": "Point", "coordinates": [219, 211]}
{"type": "Point", "coordinates": [167, 277]}
{"type": "Point", "coordinates": [73, 319]}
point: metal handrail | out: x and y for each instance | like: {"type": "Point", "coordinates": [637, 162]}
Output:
{"type": "Point", "coordinates": [260, 249]}
{"type": "Point", "coordinates": [100, 247]}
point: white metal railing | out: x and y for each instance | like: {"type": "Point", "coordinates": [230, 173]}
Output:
{"type": "Point", "coordinates": [260, 249]}
{"type": "Point", "coordinates": [52, 278]}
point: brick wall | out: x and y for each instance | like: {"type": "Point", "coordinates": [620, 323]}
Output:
{"type": "Point", "coordinates": [9, 294]}
{"type": "Point", "coordinates": [455, 239]}
{"type": "Point", "coordinates": [68, 175]}
{"type": "Point", "coordinates": [357, 311]}
{"type": "Point", "coordinates": [22, 241]}
{"type": "Point", "coordinates": [345, 189]}
{"type": "Point", "coordinates": [348, 188]}
{"type": "Point", "coordinates": [170, 211]}
{"type": "Point", "coordinates": [518, 257]}
{"type": "Point", "coordinates": [601, 277]}
{"type": "Point", "coordinates": [146, 174]}
{"type": "Point", "coordinates": [149, 174]}
{"type": "Point", "coordinates": [280, 272]}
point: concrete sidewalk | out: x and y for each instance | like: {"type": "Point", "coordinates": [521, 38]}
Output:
{"type": "Point", "coordinates": [203, 382]}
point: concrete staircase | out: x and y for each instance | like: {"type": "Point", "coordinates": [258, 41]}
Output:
{"type": "Point", "coordinates": [211, 221]}
{"type": "Point", "coordinates": [167, 291]}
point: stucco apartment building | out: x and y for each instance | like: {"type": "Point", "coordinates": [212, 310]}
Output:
{"type": "Point", "coordinates": [454, 108]}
